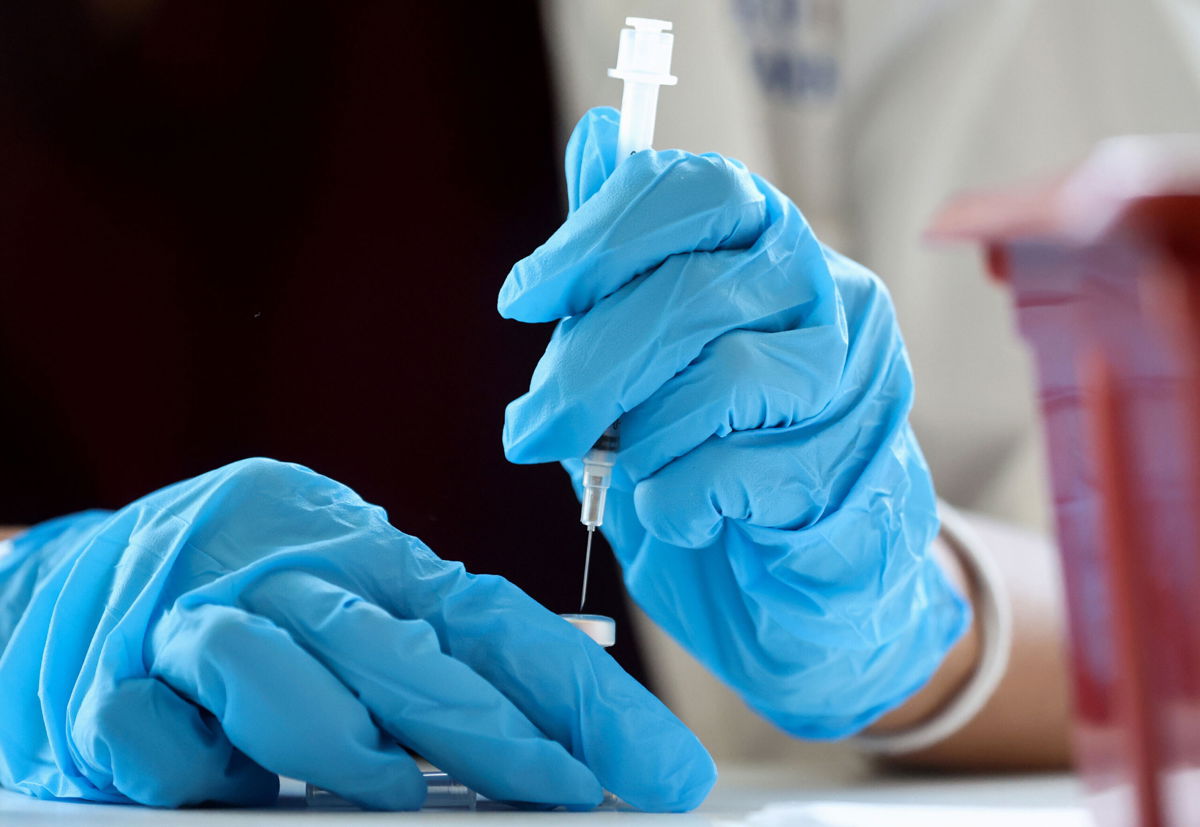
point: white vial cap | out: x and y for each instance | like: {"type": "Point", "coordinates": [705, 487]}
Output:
{"type": "Point", "coordinates": [644, 52]}
{"type": "Point", "coordinates": [599, 628]}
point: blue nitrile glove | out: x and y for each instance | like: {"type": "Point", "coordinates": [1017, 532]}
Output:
{"type": "Point", "coordinates": [264, 619]}
{"type": "Point", "coordinates": [770, 507]}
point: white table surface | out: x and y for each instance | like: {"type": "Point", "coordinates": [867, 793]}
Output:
{"type": "Point", "coordinates": [740, 791]}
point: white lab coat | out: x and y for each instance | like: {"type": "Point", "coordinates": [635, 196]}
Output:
{"type": "Point", "coordinates": [870, 114]}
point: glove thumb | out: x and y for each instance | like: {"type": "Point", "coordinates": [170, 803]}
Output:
{"type": "Point", "coordinates": [591, 154]}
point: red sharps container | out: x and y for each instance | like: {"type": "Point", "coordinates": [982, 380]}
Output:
{"type": "Point", "coordinates": [1104, 268]}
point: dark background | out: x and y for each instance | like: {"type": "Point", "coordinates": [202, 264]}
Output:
{"type": "Point", "coordinates": [232, 228]}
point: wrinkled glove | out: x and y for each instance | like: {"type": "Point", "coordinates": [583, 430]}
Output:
{"type": "Point", "coordinates": [770, 506]}
{"type": "Point", "coordinates": [263, 619]}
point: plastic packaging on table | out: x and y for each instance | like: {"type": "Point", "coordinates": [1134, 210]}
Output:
{"type": "Point", "coordinates": [442, 791]}
{"type": "Point", "coordinates": [1104, 269]}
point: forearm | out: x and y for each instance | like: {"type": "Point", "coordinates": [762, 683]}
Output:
{"type": "Point", "coordinates": [7, 531]}
{"type": "Point", "coordinates": [1025, 722]}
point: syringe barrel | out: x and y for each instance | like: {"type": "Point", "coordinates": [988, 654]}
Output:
{"type": "Point", "coordinates": [639, 105]}
{"type": "Point", "coordinates": [605, 448]}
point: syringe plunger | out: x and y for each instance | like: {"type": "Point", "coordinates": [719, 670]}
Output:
{"type": "Point", "coordinates": [644, 64]}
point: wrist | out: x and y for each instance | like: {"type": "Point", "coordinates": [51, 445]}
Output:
{"type": "Point", "coordinates": [891, 674]}
{"type": "Point", "coordinates": [959, 664]}
{"type": "Point", "coordinates": [993, 617]}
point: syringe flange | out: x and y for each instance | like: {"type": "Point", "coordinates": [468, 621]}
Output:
{"type": "Point", "coordinates": [644, 52]}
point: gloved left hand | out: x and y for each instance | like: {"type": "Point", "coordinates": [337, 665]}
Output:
{"type": "Point", "coordinates": [770, 507]}
{"type": "Point", "coordinates": [263, 619]}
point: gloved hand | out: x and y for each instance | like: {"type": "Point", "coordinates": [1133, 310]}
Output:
{"type": "Point", "coordinates": [263, 619]}
{"type": "Point", "coordinates": [770, 507]}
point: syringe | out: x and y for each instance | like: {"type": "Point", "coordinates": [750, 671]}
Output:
{"type": "Point", "coordinates": [644, 64]}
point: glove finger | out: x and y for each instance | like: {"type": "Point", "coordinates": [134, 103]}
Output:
{"type": "Point", "coordinates": [281, 707]}
{"type": "Point", "coordinates": [157, 749]}
{"type": "Point", "coordinates": [836, 559]}
{"type": "Point", "coordinates": [591, 154]}
{"type": "Point", "coordinates": [767, 478]}
{"type": "Point", "coordinates": [613, 358]}
{"type": "Point", "coordinates": [814, 417]}
{"type": "Point", "coordinates": [743, 380]}
{"type": "Point", "coordinates": [654, 205]}
{"type": "Point", "coordinates": [569, 687]}
{"type": "Point", "coordinates": [788, 478]}
{"type": "Point", "coordinates": [429, 701]}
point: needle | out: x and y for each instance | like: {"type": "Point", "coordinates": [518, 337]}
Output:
{"type": "Point", "coordinates": [587, 564]}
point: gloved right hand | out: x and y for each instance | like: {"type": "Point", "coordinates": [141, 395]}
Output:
{"type": "Point", "coordinates": [264, 619]}
{"type": "Point", "coordinates": [770, 506]}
